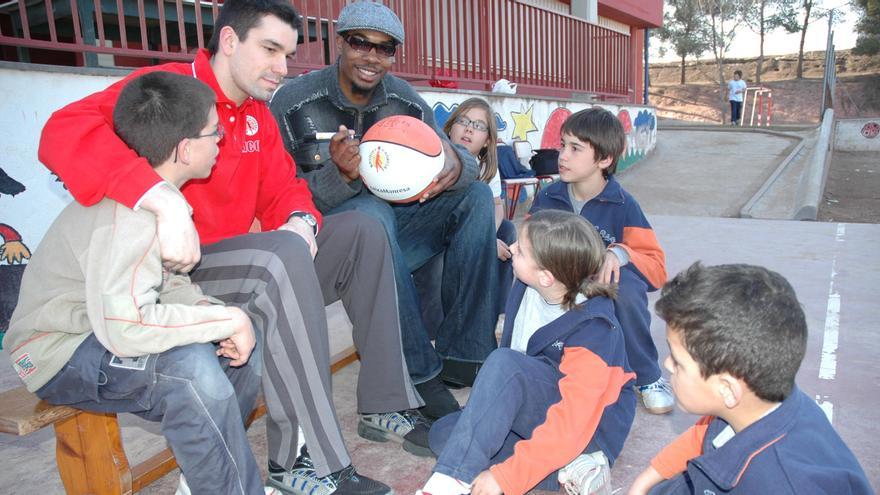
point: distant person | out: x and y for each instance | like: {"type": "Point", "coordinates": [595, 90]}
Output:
{"type": "Point", "coordinates": [555, 402]}
{"type": "Point", "coordinates": [592, 142]}
{"type": "Point", "coordinates": [737, 335]}
{"type": "Point", "coordinates": [100, 326]}
{"type": "Point", "coordinates": [736, 89]}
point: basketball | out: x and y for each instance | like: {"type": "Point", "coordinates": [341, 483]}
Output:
{"type": "Point", "coordinates": [400, 156]}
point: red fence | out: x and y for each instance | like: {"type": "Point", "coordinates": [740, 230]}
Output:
{"type": "Point", "coordinates": [471, 42]}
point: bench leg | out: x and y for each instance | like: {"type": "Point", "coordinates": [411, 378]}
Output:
{"type": "Point", "coordinates": [88, 450]}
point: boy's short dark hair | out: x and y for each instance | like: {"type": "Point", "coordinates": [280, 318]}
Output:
{"type": "Point", "coordinates": [602, 131]}
{"type": "Point", "coordinates": [740, 319]}
{"type": "Point", "coordinates": [158, 109]}
{"type": "Point", "coordinates": [738, 73]}
{"type": "Point", "coordinates": [242, 15]}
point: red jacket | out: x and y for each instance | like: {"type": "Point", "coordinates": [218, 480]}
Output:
{"type": "Point", "coordinates": [254, 176]}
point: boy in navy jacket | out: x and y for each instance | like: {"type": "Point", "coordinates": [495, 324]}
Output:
{"type": "Point", "coordinates": [592, 141]}
{"type": "Point", "coordinates": [737, 335]}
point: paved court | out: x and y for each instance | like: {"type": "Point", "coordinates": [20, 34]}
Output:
{"type": "Point", "coordinates": [705, 173]}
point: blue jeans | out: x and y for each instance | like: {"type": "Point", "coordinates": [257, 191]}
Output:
{"type": "Point", "coordinates": [459, 224]}
{"type": "Point", "coordinates": [735, 111]}
{"type": "Point", "coordinates": [429, 277]}
{"type": "Point", "coordinates": [631, 309]}
{"type": "Point", "coordinates": [199, 399]}
{"type": "Point", "coordinates": [507, 233]}
{"type": "Point", "coordinates": [510, 398]}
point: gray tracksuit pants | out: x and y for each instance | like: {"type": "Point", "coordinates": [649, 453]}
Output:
{"type": "Point", "coordinates": [271, 276]}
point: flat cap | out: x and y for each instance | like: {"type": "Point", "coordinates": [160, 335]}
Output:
{"type": "Point", "coordinates": [372, 16]}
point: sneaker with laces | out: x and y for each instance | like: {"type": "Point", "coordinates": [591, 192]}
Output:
{"type": "Point", "coordinates": [588, 474]}
{"type": "Point", "coordinates": [302, 479]}
{"type": "Point", "coordinates": [409, 428]}
{"type": "Point", "coordinates": [657, 396]}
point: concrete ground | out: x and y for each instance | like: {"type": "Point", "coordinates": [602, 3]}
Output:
{"type": "Point", "coordinates": [705, 173]}
{"type": "Point", "coordinates": [831, 265]}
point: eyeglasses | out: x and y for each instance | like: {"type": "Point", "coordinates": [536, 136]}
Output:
{"type": "Point", "coordinates": [362, 45]}
{"type": "Point", "coordinates": [474, 124]}
{"type": "Point", "coordinates": [219, 134]}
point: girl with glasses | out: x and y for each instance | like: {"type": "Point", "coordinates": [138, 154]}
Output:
{"type": "Point", "coordinates": [473, 126]}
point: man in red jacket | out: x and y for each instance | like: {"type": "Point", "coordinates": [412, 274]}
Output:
{"type": "Point", "coordinates": [270, 275]}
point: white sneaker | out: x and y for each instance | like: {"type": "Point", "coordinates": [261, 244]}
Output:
{"type": "Point", "coordinates": [182, 487]}
{"type": "Point", "coordinates": [657, 397]}
{"type": "Point", "coordinates": [588, 474]}
{"type": "Point", "coordinates": [442, 484]}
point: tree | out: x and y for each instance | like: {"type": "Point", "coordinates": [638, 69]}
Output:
{"type": "Point", "coordinates": [808, 7]}
{"type": "Point", "coordinates": [725, 17]}
{"type": "Point", "coordinates": [766, 16]}
{"type": "Point", "coordinates": [812, 11]}
{"type": "Point", "coordinates": [683, 28]}
{"type": "Point", "coordinates": [868, 28]}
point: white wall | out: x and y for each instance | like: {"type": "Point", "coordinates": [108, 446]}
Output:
{"type": "Point", "coordinates": [29, 97]}
{"type": "Point", "coordinates": [857, 135]}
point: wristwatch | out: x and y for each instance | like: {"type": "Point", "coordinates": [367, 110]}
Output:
{"type": "Point", "coordinates": [308, 218]}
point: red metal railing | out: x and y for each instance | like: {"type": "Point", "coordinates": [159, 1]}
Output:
{"type": "Point", "coordinates": [473, 43]}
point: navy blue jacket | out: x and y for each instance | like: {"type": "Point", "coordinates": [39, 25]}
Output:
{"type": "Point", "coordinates": [793, 450]}
{"type": "Point", "coordinates": [597, 404]}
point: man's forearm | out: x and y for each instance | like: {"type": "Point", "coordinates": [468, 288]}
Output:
{"type": "Point", "coordinates": [163, 202]}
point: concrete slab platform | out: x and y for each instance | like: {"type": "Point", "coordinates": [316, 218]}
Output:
{"type": "Point", "coordinates": [704, 172]}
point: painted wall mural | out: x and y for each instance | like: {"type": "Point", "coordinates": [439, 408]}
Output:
{"type": "Point", "coordinates": [14, 254]}
{"type": "Point", "coordinates": [539, 121]}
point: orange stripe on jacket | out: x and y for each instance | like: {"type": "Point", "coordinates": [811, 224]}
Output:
{"type": "Point", "coordinates": [588, 386]}
{"type": "Point", "coordinates": [673, 459]}
{"type": "Point", "coordinates": [645, 253]}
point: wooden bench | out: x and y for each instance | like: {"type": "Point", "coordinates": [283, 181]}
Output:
{"type": "Point", "coordinates": [88, 445]}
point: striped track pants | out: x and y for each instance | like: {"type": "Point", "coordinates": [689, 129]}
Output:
{"type": "Point", "coordinates": [272, 277]}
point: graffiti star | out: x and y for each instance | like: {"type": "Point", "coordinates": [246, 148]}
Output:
{"type": "Point", "coordinates": [522, 124]}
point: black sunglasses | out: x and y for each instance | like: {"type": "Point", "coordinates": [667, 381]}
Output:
{"type": "Point", "coordinates": [362, 45]}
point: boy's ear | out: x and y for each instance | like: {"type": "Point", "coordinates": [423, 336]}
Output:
{"type": "Point", "coordinates": [605, 162]}
{"type": "Point", "coordinates": [183, 151]}
{"type": "Point", "coordinates": [731, 389]}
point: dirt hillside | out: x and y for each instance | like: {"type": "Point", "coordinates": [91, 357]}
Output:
{"type": "Point", "coordinates": [794, 101]}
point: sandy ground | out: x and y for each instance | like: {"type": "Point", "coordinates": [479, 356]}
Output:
{"type": "Point", "coordinates": [852, 190]}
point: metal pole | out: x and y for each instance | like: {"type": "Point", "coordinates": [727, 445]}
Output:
{"type": "Point", "coordinates": [647, 70]}
{"type": "Point", "coordinates": [829, 50]}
